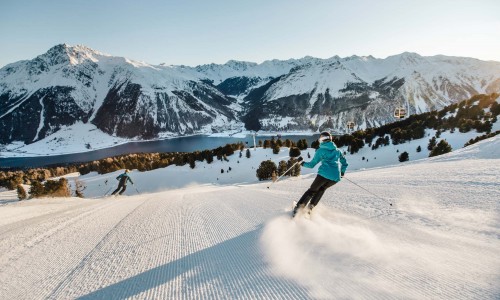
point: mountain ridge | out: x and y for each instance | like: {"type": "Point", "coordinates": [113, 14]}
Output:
{"type": "Point", "coordinates": [133, 99]}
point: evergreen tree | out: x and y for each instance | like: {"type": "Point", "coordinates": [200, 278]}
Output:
{"type": "Point", "coordinates": [21, 192]}
{"type": "Point", "coordinates": [248, 153]}
{"type": "Point", "coordinates": [36, 189]}
{"type": "Point", "coordinates": [304, 144]}
{"type": "Point", "coordinates": [441, 148]}
{"type": "Point", "coordinates": [79, 187]}
{"type": "Point", "coordinates": [294, 152]}
{"type": "Point", "coordinates": [419, 148]}
{"type": "Point", "coordinates": [266, 169]}
{"type": "Point", "coordinates": [209, 158]}
{"type": "Point", "coordinates": [282, 167]}
{"type": "Point", "coordinates": [432, 143]}
{"type": "Point", "coordinates": [404, 157]}
{"type": "Point", "coordinates": [57, 188]}
{"type": "Point", "coordinates": [276, 149]}
{"type": "Point", "coordinates": [228, 150]}
{"type": "Point", "coordinates": [14, 180]}
{"type": "Point", "coordinates": [295, 171]}
{"type": "Point", "coordinates": [273, 142]}
{"type": "Point", "coordinates": [192, 163]}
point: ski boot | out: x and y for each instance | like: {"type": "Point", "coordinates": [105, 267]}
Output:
{"type": "Point", "coordinates": [309, 210]}
{"type": "Point", "coordinates": [296, 210]}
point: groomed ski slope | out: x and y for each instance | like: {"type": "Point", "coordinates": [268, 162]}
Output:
{"type": "Point", "coordinates": [439, 240]}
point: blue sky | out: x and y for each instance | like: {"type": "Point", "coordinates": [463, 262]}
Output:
{"type": "Point", "coordinates": [198, 32]}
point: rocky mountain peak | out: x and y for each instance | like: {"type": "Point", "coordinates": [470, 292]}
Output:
{"type": "Point", "coordinates": [66, 54]}
{"type": "Point", "coordinates": [240, 65]}
{"type": "Point", "coordinates": [410, 58]}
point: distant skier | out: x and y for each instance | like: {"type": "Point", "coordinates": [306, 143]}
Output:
{"type": "Point", "coordinates": [123, 182]}
{"type": "Point", "coordinates": [333, 167]}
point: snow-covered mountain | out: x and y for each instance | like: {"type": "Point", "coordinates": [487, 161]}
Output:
{"type": "Point", "coordinates": [366, 90]}
{"type": "Point", "coordinates": [128, 99]}
{"type": "Point", "coordinates": [238, 78]}
{"type": "Point", "coordinates": [121, 97]}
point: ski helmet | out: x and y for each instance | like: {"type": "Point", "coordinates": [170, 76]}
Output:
{"type": "Point", "coordinates": [325, 136]}
{"type": "Point", "coordinates": [127, 171]}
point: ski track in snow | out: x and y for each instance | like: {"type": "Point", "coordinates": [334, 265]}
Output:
{"type": "Point", "coordinates": [439, 240]}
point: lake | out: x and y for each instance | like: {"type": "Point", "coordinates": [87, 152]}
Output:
{"type": "Point", "coordinates": [181, 144]}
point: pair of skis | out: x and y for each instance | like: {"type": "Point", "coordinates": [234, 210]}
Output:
{"type": "Point", "coordinates": [106, 195]}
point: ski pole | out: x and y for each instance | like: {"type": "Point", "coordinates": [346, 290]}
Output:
{"type": "Point", "coordinates": [137, 190]}
{"type": "Point", "coordinates": [367, 191]}
{"type": "Point", "coordinates": [108, 191]}
{"type": "Point", "coordinates": [283, 174]}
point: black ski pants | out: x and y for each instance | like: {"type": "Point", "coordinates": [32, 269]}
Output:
{"type": "Point", "coordinates": [316, 191]}
{"type": "Point", "coordinates": [121, 186]}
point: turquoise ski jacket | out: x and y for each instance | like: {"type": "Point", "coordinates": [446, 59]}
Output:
{"type": "Point", "coordinates": [123, 178]}
{"type": "Point", "coordinates": [333, 162]}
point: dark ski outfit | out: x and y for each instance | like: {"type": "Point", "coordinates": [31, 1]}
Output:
{"type": "Point", "coordinates": [123, 183]}
{"type": "Point", "coordinates": [333, 167]}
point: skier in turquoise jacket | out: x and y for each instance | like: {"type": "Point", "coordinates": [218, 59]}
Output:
{"type": "Point", "coordinates": [332, 169]}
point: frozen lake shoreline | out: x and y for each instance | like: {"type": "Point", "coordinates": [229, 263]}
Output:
{"type": "Point", "coordinates": [177, 144]}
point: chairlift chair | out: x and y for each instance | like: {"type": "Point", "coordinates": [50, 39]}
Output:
{"type": "Point", "coordinates": [400, 113]}
{"type": "Point", "coordinates": [350, 125]}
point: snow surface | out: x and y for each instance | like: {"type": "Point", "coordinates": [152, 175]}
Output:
{"type": "Point", "coordinates": [183, 234]}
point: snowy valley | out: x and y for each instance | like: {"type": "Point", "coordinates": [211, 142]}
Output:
{"type": "Point", "coordinates": [108, 100]}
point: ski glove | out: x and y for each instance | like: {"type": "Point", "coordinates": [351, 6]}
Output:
{"type": "Point", "coordinates": [300, 158]}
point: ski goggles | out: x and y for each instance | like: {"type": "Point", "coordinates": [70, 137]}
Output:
{"type": "Point", "coordinates": [324, 138]}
